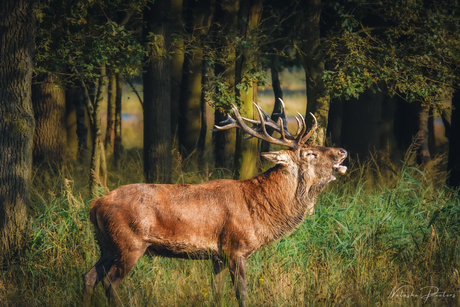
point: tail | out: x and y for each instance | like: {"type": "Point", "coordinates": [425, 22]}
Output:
{"type": "Point", "coordinates": [93, 213]}
{"type": "Point", "coordinates": [95, 218]}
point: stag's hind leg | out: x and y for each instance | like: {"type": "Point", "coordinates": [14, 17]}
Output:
{"type": "Point", "coordinates": [96, 274]}
{"type": "Point", "coordinates": [120, 268]}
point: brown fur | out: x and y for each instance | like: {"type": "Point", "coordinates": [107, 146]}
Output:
{"type": "Point", "coordinates": [220, 219]}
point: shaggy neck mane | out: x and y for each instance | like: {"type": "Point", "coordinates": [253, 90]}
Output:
{"type": "Point", "coordinates": [279, 200]}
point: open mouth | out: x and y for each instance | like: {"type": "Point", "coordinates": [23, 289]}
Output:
{"type": "Point", "coordinates": [341, 169]}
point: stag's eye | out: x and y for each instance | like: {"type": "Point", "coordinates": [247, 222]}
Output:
{"type": "Point", "coordinates": [310, 154]}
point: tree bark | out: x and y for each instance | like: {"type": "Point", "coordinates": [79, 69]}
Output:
{"type": "Point", "coordinates": [206, 75]}
{"type": "Point", "coordinates": [111, 105]}
{"type": "Point", "coordinates": [17, 37]}
{"type": "Point", "coordinates": [177, 61]}
{"type": "Point", "coordinates": [97, 169]}
{"type": "Point", "coordinates": [50, 134]}
{"type": "Point", "coordinates": [227, 16]}
{"type": "Point", "coordinates": [406, 121]}
{"type": "Point", "coordinates": [368, 124]}
{"type": "Point", "coordinates": [278, 92]}
{"type": "Point", "coordinates": [246, 153]}
{"type": "Point", "coordinates": [76, 121]}
{"type": "Point", "coordinates": [98, 164]}
{"type": "Point", "coordinates": [454, 144]}
{"type": "Point", "coordinates": [312, 60]}
{"type": "Point", "coordinates": [423, 151]}
{"type": "Point", "coordinates": [157, 98]}
{"type": "Point", "coordinates": [334, 125]}
{"type": "Point", "coordinates": [117, 145]}
{"type": "Point", "coordinates": [199, 17]}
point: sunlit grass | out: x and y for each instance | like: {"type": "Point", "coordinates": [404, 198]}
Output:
{"type": "Point", "coordinates": [379, 227]}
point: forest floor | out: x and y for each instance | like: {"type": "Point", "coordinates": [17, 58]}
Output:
{"type": "Point", "coordinates": [382, 235]}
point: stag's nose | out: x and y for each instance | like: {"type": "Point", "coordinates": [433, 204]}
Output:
{"type": "Point", "coordinates": [343, 152]}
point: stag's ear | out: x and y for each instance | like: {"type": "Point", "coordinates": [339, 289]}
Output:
{"type": "Point", "coordinates": [277, 157]}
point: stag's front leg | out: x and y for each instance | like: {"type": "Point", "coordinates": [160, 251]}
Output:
{"type": "Point", "coordinates": [237, 266]}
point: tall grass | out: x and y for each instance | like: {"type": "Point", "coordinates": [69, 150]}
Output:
{"type": "Point", "coordinates": [381, 227]}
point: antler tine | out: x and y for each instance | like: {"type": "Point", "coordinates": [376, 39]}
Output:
{"type": "Point", "coordinates": [303, 128]}
{"type": "Point", "coordinates": [313, 129]}
{"type": "Point", "coordinates": [283, 106]}
{"type": "Point", "coordinates": [228, 123]}
{"type": "Point", "coordinates": [262, 122]}
{"type": "Point", "coordinates": [282, 114]}
{"type": "Point", "coordinates": [299, 125]}
{"type": "Point", "coordinates": [282, 129]}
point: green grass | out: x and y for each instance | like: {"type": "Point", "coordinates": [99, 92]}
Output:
{"type": "Point", "coordinates": [379, 227]}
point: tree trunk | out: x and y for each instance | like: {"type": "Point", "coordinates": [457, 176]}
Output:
{"type": "Point", "coordinates": [98, 164]}
{"type": "Point", "coordinates": [50, 135]}
{"type": "Point", "coordinates": [97, 169]}
{"type": "Point", "coordinates": [406, 121]}
{"type": "Point", "coordinates": [246, 153]}
{"type": "Point", "coordinates": [278, 92]}
{"type": "Point", "coordinates": [157, 98]}
{"type": "Point", "coordinates": [454, 144]}
{"type": "Point", "coordinates": [423, 151]}
{"type": "Point", "coordinates": [117, 145]}
{"type": "Point", "coordinates": [206, 75]}
{"type": "Point", "coordinates": [177, 61]}
{"type": "Point", "coordinates": [368, 123]}
{"type": "Point", "coordinates": [76, 123]}
{"type": "Point", "coordinates": [334, 125]}
{"type": "Point", "coordinates": [111, 105]}
{"type": "Point", "coordinates": [221, 142]}
{"type": "Point", "coordinates": [227, 16]}
{"type": "Point", "coordinates": [190, 102]}
{"type": "Point", "coordinates": [199, 17]}
{"type": "Point", "coordinates": [312, 60]}
{"type": "Point", "coordinates": [17, 37]}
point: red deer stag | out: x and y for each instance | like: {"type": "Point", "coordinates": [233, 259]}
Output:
{"type": "Point", "coordinates": [225, 220]}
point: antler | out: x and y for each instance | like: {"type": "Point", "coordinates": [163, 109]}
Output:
{"type": "Point", "coordinates": [259, 129]}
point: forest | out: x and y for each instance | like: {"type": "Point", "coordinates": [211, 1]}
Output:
{"type": "Point", "coordinates": [96, 94]}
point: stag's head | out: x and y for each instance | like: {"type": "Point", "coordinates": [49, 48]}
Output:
{"type": "Point", "coordinates": [320, 164]}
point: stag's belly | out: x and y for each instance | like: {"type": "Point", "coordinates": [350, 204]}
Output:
{"type": "Point", "coordinates": [183, 249]}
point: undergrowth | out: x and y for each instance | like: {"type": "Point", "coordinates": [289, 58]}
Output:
{"type": "Point", "coordinates": [383, 235]}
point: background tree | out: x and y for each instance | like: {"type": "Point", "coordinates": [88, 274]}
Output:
{"type": "Point", "coordinates": [311, 56]}
{"type": "Point", "coordinates": [157, 94]}
{"type": "Point", "coordinates": [246, 152]}
{"type": "Point", "coordinates": [177, 60]}
{"type": "Point", "coordinates": [224, 32]}
{"type": "Point", "coordinates": [199, 16]}
{"type": "Point", "coordinates": [17, 38]}
{"type": "Point", "coordinates": [109, 141]}
{"type": "Point", "coordinates": [117, 145]}
{"type": "Point", "coordinates": [50, 134]}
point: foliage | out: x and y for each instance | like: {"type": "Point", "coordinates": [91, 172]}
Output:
{"type": "Point", "coordinates": [224, 48]}
{"type": "Point", "coordinates": [412, 47]}
{"type": "Point", "coordinates": [88, 35]}
{"type": "Point", "coordinates": [382, 226]}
